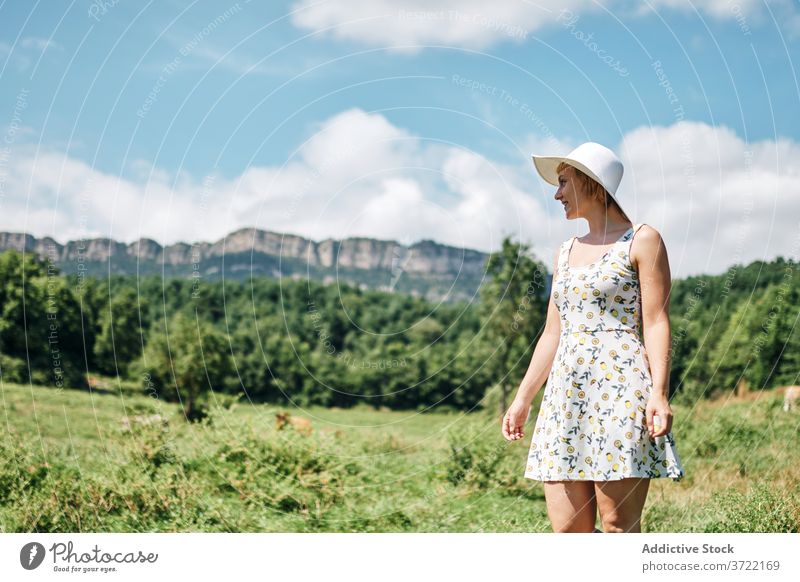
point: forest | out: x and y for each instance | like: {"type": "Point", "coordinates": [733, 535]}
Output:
{"type": "Point", "coordinates": [302, 343]}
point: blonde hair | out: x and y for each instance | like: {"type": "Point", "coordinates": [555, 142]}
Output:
{"type": "Point", "coordinates": [592, 187]}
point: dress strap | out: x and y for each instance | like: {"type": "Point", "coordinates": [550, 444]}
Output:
{"type": "Point", "coordinates": [629, 240]}
{"type": "Point", "coordinates": [563, 253]}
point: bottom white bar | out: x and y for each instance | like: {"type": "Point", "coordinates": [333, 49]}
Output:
{"type": "Point", "coordinates": [400, 556]}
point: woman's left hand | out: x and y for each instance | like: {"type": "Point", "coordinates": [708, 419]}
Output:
{"type": "Point", "coordinates": [658, 406]}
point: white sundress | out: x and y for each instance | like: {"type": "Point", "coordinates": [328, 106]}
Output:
{"type": "Point", "coordinates": [591, 424]}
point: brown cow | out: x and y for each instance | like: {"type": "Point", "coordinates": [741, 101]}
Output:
{"type": "Point", "coordinates": [300, 424]}
{"type": "Point", "coordinates": [791, 396]}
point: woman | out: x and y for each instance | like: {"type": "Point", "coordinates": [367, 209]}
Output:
{"type": "Point", "coordinates": [604, 426]}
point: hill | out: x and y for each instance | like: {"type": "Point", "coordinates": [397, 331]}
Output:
{"type": "Point", "coordinates": [424, 269]}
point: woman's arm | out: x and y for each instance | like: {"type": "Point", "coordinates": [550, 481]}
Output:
{"type": "Point", "coordinates": [538, 371]}
{"type": "Point", "coordinates": [650, 260]}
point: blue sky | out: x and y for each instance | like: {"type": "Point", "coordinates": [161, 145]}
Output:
{"type": "Point", "coordinates": [400, 120]}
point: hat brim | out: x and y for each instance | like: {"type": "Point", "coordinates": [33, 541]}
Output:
{"type": "Point", "coordinates": [546, 166]}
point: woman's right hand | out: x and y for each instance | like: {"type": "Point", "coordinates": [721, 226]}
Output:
{"type": "Point", "coordinates": [514, 421]}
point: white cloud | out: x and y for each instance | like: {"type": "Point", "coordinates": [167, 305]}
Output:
{"type": "Point", "coordinates": [716, 200]}
{"type": "Point", "coordinates": [468, 23]}
{"type": "Point", "coordinates": [716, 8]}
{"type": "Point", "coordinates": [23, 53]}
{"type": "Point", "coordinates": [405, 25]}
{"type": "Point", "coordinates": [40, 44]}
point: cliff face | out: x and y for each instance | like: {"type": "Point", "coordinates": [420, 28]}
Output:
{"type": "Point", "coordinates": [425, 268]}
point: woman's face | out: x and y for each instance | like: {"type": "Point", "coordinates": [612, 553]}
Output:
{"type": "Point", "coordinates": [568, 193]}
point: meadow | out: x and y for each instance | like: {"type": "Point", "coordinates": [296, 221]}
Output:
{"type": "Point", "coordinates": [68, 464]}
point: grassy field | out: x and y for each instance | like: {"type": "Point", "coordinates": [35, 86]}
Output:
{"type": "Point", "coordinates": [67, 464]}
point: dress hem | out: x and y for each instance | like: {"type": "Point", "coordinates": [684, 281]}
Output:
{"type": "Point", "coordinates": [624, 476]}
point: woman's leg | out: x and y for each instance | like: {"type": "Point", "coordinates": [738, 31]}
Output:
{"type": "Point", "coordinates": [571, 505]}
{"type": "Point", "coordinates": [621, 503]}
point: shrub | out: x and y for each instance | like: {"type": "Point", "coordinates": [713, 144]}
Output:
{"type": "Point", "coordinates": [760, 510]}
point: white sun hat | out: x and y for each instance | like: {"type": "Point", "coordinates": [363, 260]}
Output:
{"type": "Point", "coordinates": [593, 159]}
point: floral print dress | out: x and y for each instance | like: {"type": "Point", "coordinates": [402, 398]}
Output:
{"type": "Point", "coordinates": [591, 424]}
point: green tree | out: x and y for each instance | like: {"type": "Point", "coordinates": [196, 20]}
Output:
{"type": "Point", "coordinates": [513, 310]}
{"type": "Point", "coordinates": [120, 339]}
{"type": "Point", "coordinates": [39, 323]}
{"type": "Point", "coordinates": [189, 356]}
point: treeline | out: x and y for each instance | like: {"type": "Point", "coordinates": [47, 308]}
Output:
{"type": "Point", "coordinates": [294, 342]}
{"type": "Point", "coordinates": [305, 343]}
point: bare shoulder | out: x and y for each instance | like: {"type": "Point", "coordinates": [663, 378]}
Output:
{"type": "Point", "coordinates": [647, 246]}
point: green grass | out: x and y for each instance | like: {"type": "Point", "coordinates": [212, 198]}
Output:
{"type": "Point", "coordinates": [67, 465]}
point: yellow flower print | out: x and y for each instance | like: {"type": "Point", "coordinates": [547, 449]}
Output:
{"type": "Point", "coordinates": [603, 365]}
{"type": "Point", "coordinates": [605, 396]}
{"type": "Point", "coordinates": [581, 394]}
{"type": "Point", "coordinates": [615, 467]}
{"type": "Point", "coordinates": [581, 473]}
{"type": "Point", "coordinates": [595, 340]}
{"type": "Point", "coordinates": [588, 460]}
{"type": "Point", "coordinates": [589, 315]}
{"type": "Point", "coordinates": [570, 449]}
{"type": "Point", "coordinates": [569, 392]}
{"type": "Point", "coordinates": [628, 404]}
{"type": "Point", "coordinates": [568, 414]}
{"type": "Point", "coordinates": [622, 378]}
{"type": "Point", "coordinates": [576, 290]}
{"type": "Point", "coordinates": [618, 298]}
{"type": "Point", "coordinates": [629, 435]}
{"type": "Point", "coordinates": [614, 312]}
{"type": "Point", "coordinates": [618, 443]}
{"type": "Point", "coordinates": [624, 319]}
{"type": "Point", "coordinates": [581, 360]}
{"type": "Point", "coordinates": [609, 376]}
{"type": "Point", "coordinates": [613, 353]}
{"type": "Point", "coordinates": [596, 292]}
{"type": "Point", "coordinates": [609, 456]}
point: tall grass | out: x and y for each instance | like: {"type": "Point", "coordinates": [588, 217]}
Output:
{"type": "Point", "coordinates": [68, 464]}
